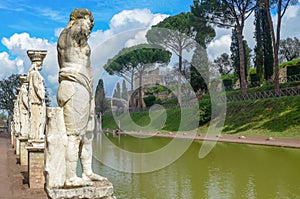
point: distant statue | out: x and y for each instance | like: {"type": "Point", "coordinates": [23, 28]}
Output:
{"type": "Point", "coordinates": [24, 107]}
{"type": "Point", "coordinates": [75, 96]}
{"type": "Point", "coordinates": [16, 118]}
{"type": "Point", "coordinates": [36, 96]}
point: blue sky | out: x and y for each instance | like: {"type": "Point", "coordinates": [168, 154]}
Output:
{"type": "Point", "coordinates": [40, 18]}
{"type": "Point", "coordinates": [36, 24]}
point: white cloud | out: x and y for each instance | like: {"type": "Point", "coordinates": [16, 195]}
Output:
{"type": "Point", "coordinates": [219, 46]}
{"type": "Point", "coordinates": [126, 27]}
{"type": "Point", "coordinates": [292, 12]}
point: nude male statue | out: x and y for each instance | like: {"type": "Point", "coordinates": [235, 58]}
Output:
{"type": "Point", "coordinates": [75, 95]}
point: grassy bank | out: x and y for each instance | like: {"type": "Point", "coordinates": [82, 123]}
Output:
{"type": "Point", "coordinates": [276, 117]}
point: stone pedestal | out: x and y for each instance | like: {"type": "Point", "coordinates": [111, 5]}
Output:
{"type": "Point", "coordinates": [100, 189]}
{"type": "Point", "coordinates": [17, 145]}
{"type": "Point", "coordinates": [36, 165]}
{"type": "Point", "coordinates": [23, 151]}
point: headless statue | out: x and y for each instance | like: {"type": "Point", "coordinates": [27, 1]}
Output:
{"type": "Point", "coordinates": [75, 96]}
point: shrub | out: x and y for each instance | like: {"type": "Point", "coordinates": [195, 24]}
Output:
{"type": "Point", "coordinates": [150, 100]}
{"type": "Point", "coordinates": [228, 84]}
{"type": "Point", "coordinates": [204, 111]}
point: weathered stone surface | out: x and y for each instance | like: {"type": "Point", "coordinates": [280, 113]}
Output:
{"type": "Point", "coordinates": [100, 189]}
{"type": "Point", "coordinates": [23, 151]}
{"type": "Point", "coordinates": [24, 107]}
{"type": "Point", "coordinates": [75, 96]}
{"type": "Point", "coordinates": [56, 138]}
{"type": "Point", "coordinates": [36, 95]}
{"type": "Point", "coordinates": [36, 166]}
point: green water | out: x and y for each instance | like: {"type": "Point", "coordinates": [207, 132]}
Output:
{"type": "Point", "coordinates": [230, 171]}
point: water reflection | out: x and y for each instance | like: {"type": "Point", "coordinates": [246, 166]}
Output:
{"type": "Point", "coordinates": [230, 171]}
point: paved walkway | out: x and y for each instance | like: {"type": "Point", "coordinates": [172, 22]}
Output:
{"type": "Point", "coordinates": [13, 176]}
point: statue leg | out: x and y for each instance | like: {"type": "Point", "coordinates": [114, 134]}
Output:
{"type": "Point", "coordinates": [86, 159]}
{"type": "Point", "coordinates": [71, 163]}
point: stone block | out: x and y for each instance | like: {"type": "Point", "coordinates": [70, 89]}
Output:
{"type": "Point", "coordinates": [36, 167]}
{"type": "Point", "coordinates": [23, 151]}
{"type": "Point", "coordinates": [100, 189]}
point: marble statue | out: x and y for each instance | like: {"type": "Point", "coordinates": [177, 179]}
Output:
{"type": "Point", "coordinates": [36, 96]}
{"type": "Point", "coordinates": [75, 96]}
{"type": "Point", "coordinates": [24, 108]}
{"type": "Point", "coordinates": [16, 117]}
{"type": "Point", "coordinates": [56, 138]}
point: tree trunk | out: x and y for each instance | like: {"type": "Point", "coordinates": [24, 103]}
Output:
{"type": "Point", "coordinates": [140, 104]}
{"type": "Point", "coordinates": [275, 44]}
{"type": "Point", "coordinates": [179, 78]}
{"type": "Point", "coordinates": [276, 67]}
{"type": "Point", "coordinates": [242, 60]}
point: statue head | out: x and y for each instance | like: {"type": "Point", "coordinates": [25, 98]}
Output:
{"type": "Point", "coordinates": [83, 13]}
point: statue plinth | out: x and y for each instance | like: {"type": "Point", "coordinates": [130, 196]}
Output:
{"type": "Point", "coordinates": [23, 151]}
{"type": "Point", "coordinates": [36, 164]}
{"type": "Point", "coordinates": [101, 189]}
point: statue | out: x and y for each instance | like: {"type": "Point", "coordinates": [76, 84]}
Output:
{"type": "Point", "coordinates": [75, 96]}
{"type": "Point", "coordinates": [36, 96]}
{"type": "Point", "coordinates": [24, 107]}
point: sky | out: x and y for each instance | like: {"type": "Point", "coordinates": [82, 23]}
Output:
{"type": "Point", "coordinates": [31, 24]}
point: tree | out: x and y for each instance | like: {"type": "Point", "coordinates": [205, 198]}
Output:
{"type": "Point", "coordinates": [199, 70]}
{"type": "Point", "coordinates": [178, 33]}
{"type": "Point", "coordinates": [223, 64]}
{"type": "Point", "coordinates": [124, 90]}
{"type": "Point", "coordinates": [8, 91]}
{"type": "Point", "coordinates": [281, 6]}
{"type": "Point", "coordinates": [228, 14]}
{"type": "Point", "coordinates": [100, 103]}
{"type": "Point", "coordinates": [137, 60]}
{"type": "Point", "coordinates": [100, 100]}
{"type": "Point", "coordinates": [117, 91]}
{"type": "Point", "coordinates": [289, 49]}
{"type": "Point", "coordinates": [235, 56]}
{"type": "Point", "coordinates": [175, 36]}
{"type": "Point", "coordinates": [263, 49]}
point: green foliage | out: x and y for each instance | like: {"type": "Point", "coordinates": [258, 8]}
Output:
{"type": "Point", "coordinates": [117, 91]}
{"type": "Point", "coordinates": [254, 79]}
{"type": "Point", "coordinates": [235, 54]}
{"type": "Point", "coordinates": [204, 111]}
{"type": "Point", "coordinates": [228, 83]}
{"type": "Point", "coordinates": [8, 90]}
{"type": "Point", "coordinates": [130, 61]}
{"type": "Point", "coordinates": [223, 64]}
{"type": "Point", "coordinates": [290, 63]}
{"type": "Point", "coordinates": [199, 70]}
{"type": "Point", "coordinates": [100, 100]}
{"type": "Point", "coordinates": [150, 100]}
{"type": "Point", "coordinates": [264, 60]}
{"type": "Point", "coordinates": [289, 48]}
{"type": "Point", "coordinates": [292, 71]}
{"type": "Point", "coordinates": [124, 91]}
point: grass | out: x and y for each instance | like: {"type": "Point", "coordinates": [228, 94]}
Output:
{"type": "Point", "coordinates": [276, 117]}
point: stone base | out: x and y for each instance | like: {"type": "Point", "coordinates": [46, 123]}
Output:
{"type": "Point", "coordinates": [23, 151]}
{"type": "Point", "coordinates": [36, 167]}
{"type": "Point", "coordinates": [100, 189]}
